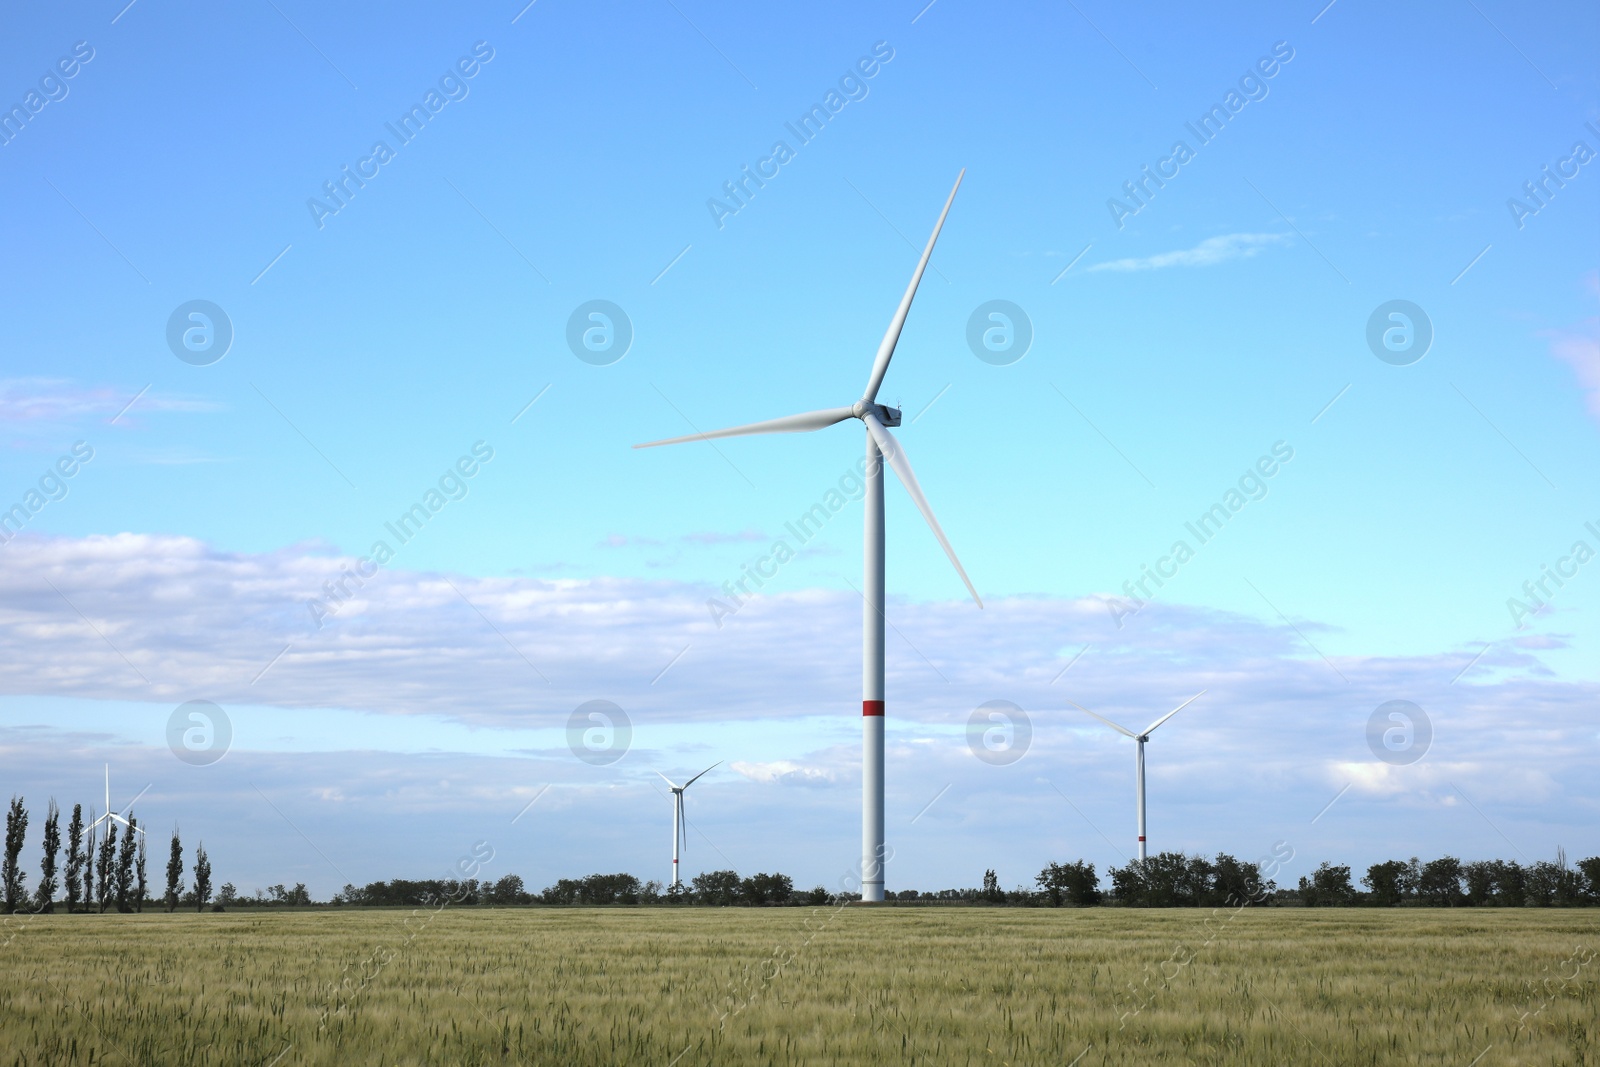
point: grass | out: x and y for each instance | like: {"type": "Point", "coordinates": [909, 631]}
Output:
{"type": "Point", "coordinates": [791, 986]}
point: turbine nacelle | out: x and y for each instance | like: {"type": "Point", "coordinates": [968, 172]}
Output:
{"type": "Point", "coordinates": [887, 415]}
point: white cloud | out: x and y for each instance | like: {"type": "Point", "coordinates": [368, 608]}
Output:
{"type": "Point", "coordinates": [784, 772]}
{"type": "Point", "coordinates": [1207, 253]}
{"type": "Point", "coordinates": [164, 618]}
{"type": "Point", "coordinates": [52, 400]}
{"type": "Point", "coordinates": [1578, 345]}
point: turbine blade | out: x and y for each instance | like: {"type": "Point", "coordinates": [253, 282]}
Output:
{"type": "Point", "coordinates": [1119, 729]}
{"type": "Point", "coordinates": [880, 365]}
{"type": "Point", "coordinates": [669, 781]}
{"type": "Point", "coordinates": [702, 774]}
{"type": "Point", "coordinates": [1175, 711]}
{"type": "Point", "coordinates": [811, 420]}
{"type": "Point", "coordinates": [683, 825]}
{"type": "Point", "coordinates": [896, 456]}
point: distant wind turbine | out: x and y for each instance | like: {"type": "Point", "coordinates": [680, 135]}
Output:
{"type": "Point", "coordinates": [881, 446]}
{"type": "Point", "coordinates": [1139, 740]}
{"type": "Point", "coordinates": [680, 830]}
{"type": "Point", "coordinates": [110, 816]}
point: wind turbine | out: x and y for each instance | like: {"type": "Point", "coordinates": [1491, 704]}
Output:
{"type": "Point", "coordinates": [679, 829]}
{"type": "Point", "coordinates": [110, 816]}
{"type": "Point", "coordinates": [881, 445]}
{"type": "Point", "coordinates": [1139, 740]}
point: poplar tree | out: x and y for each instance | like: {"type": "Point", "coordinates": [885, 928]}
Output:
{"type": "Point", "coordinates": [12, 875]}
{"type": "Point", "coordinates": [125, 865]}
{"type": "Point", "coordinates": [174, 872]}
{"type": "Point", "coordinates": [143, 885]}
{"type": "Point", "coordinates": [88, 866]}
{"type": "Point", "coordinates": [103, 865]}
{"type": "Point", "coordinates": [202, 877]}
{"type": "Point", "coordinates": [75, 858]}
{"type": "Point", "coordinates": [46, 896]}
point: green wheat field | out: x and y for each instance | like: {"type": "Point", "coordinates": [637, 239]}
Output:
{"type": "Point", "coordinates": [815, 986]}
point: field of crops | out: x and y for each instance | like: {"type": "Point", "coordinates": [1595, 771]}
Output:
{"type": "Point", "coordinates": [789, 986]}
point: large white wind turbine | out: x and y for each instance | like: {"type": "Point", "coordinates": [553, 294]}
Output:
{"type": "Point", "coordinates": [110, 816]}
{"type": "Point", "coordinates": [1139, 740]}
{"type": "Point", "coordinates": [680, 831]}
{"type": "Point", "coordinates": [881, 446]}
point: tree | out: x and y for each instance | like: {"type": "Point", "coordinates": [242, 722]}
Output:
{"type": "Point", "coordinates": [1081, 884]}
{"type": "Point", "coordinates": [1590, 869]}
{"type": "Point", "coordinates": [1234, 883]}
{"type": "Point", "coordinates": [598, 889]}
{"type": "Point", "coordinates": [1439, 882]}
{"type": "Point", "coordinates": [141, 884]}
{"type": "Point", "coordinates": [1543, 882]}
{"type": "Point", "coordinates": [88, 866]}
{"type": "Point", "coordinates": [45, 897]}
{"type": "Point", "coordinates": [174, 872]}
{"type": "Point", "coordinates": [508, 890]}
{"type": "Point", "coordinates": [1329, 886]}
{"type": "Point", "coordinates": [1386, 883]}
{"type": "Point", "coordinates": [124, 879]}
{"type": "Point", "coordinates": [1510, 884]}
{"type": "Point", "coordinates": [991, 888]}
{"type": "Point", "coordinates": [1071, 883]}
{"type": "Point", "coordinates": [75, 858]}
{"type": "Point", "coordinates": [720, 888]}
{"type": "Point", "coordinates": [12, 875]}
{"type": "Point", "coordinates": [1166, 880]}
{"type": "Point", "coordinates": [103, 865]}
{"type": "Point", "coordinates": [1051, 882]}
{"type": "Point", "coordinates": [1479, 877]}
{"type": "Point", "coordinates": [767, 889]}
{"type": "Point", "coordinates": [202, 878]}
{"type": "Point", "coordinates": [1411, 879]}
{"type": "Point", "coordinates": [228, 896]}
{"type": "Point", "coordinates": [1569, 883]}
{"type": "Point", "coordinates": [1128, 884]}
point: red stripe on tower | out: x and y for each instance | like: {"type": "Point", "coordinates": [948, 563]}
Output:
{"type": "Point", "coordinates": [872, 707]}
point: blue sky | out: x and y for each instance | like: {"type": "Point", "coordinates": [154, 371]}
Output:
{"type": "Point", "coordinates": [1172, 347]}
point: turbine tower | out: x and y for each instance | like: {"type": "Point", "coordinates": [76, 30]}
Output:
{"type": "Point", "coordinates": [110, 816]}
{"type": "Point", "coordinates": [679, 830]}
{"type": "Point", "coordinates": [1139, 740]}
{"type": "Point", "coordinates": [881, 446]}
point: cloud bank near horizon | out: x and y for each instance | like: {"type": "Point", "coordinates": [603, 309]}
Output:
{"type": "Point", "coordinates": [146, 617]}
{"type": "Point", "coordinates": [161, 619]}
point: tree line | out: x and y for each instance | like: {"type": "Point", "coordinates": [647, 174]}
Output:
{"type": "Point", "coordinates": [100, 871]}
{"type": "Point", "coordinates": [106, 870]}
{"type": "Point", "coordinates": [1165, 880]}
{"type": "Point", "coordinates": [714, 888]}
{"type": "Point", "coordinates": [1449, 883]}
{"type": "Point", "coordinates": [1176, 880]}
